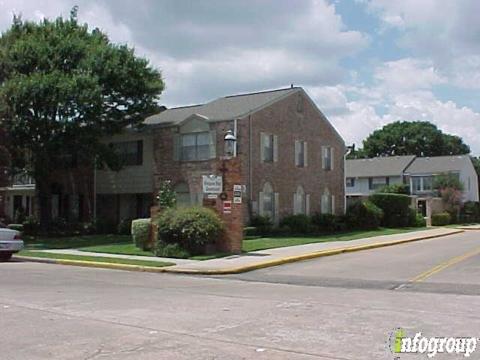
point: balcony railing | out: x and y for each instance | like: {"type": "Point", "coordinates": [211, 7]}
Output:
{"type": "Point", "coordinates": [22, 180]}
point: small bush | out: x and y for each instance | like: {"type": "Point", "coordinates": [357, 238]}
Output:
{"type": "Point", "coordinates": [124, 227]}
{"type": "Point", "coordinates": [470, 212]}
{"type": "Point", "coordinates": [17, 227]}
{"type": "Point", "coordinates": [191, 228]}
{"type": "Point", "coordinates": [395, 207]}
{"type": "Point", "coordinates": [263, 224]}
{"type": "Point", "coordinates": [30, 225]}
{"type": "Point", "coordinates": [171, 251]}
{"type": "Point", "coordinates": [364, 215]}
{"type": "Point", "coordinates": [298, 224]}
{"type": "Point", "coordinates": [416, 219]}
{"type": "Point", "coordinates": [250, 231]}
{"type": "Point", "coordinates": [441, 219]}
{"type": "Point", "coordinates": [104, 226]}
{"type": "Point", "coordinates": [328, 222]}
{"type": "Point", "coordinates": [396, 189]}
{"type": "Point", "coordinates": [140, 230]}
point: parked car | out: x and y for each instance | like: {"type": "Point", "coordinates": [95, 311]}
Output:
{"type": "Point", "coordinates": [10, 243]}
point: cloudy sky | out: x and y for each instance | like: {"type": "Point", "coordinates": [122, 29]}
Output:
{"type": "Point", "coordinates": [365, 62]}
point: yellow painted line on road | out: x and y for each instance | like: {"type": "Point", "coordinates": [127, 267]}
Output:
{"type": "Point", "coordinates": [446, 264]}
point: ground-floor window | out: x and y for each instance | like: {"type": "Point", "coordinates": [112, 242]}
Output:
{"type": "Point", "coordinates": [327, 202]}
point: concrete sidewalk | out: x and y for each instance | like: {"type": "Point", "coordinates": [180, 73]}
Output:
{"type": "Point", "coordinates": [469, 227]}
{"type": "Point", "coordinates": [272, 257]}
{"type": "Point", "coordinates": [119, 256]}
{"type": "Point", "coordinates": [235, 264]}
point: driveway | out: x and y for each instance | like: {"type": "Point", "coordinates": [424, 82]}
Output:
{"type": "Point", "coordinates": [342, 307]}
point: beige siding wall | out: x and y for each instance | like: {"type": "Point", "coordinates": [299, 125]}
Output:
{"type": "Point", "coordinates": [131, 179]}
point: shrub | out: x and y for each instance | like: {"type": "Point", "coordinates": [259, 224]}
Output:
{"type": "Point", "coordinates": [104, 226]}
{"type": "Point", "coordinates": [171, 250]}
{"type": "Point", "coordinates": [395, 207]}
{"type": "Point", "coordinates": [364, 215]}
{"type": "Point", "coordinates": [396, 189]}
{"type": "Point", "coordinates": [298, 224]}
{"type": "Point", "coordinates": [441, 219]}
{"type": "Point", "coordinates": [191, 228]}
{"type": "Point", "coordinates": [166, 197]}
{"type": "Point", "coordinates": [124, 227]}
{"type": "Point", "coordinates": [17, 227]}
{"type": "Point", "coordinates": [416, 219]}
{"type": "Point", "coordinates": [140, 230]}
{"type": "Point", "coordinates": [250, 231]}
{"type": "Point", "coordinates": [470, 212]}
{"type": "Point", "coordinates": [328, 222]}
{"type": "Point", "coordinates": [30, 225]}
{"type": "Point", "coordinates": [262, 224]}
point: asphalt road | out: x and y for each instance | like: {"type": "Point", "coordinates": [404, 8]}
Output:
{"type": "Point", "coordinates": [342, 307]}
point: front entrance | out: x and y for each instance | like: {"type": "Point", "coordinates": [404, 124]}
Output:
{"type": "Point", "coordinates": [422, 207]}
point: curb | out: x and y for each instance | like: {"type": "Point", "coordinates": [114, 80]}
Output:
{"type": "Point", "coordinates": [291, 259]}
{"type": "Point", "coordinates": [237, 270]}
{"type": "Point", "coordinates": [468, 229]}
{"type": "Point", "coordinates": [93, 264]}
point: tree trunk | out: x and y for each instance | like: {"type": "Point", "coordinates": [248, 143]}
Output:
{"type": "Point", "coordinates": [44, 201]}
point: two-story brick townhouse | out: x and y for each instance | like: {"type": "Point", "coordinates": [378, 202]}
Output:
{"type": "Point", "coordinates": [292, 158]}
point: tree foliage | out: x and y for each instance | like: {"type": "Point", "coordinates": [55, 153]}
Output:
{"type": "Point", "coordinates": [63, 87]}
{"type": "Point", "coordinates": [419, 138]}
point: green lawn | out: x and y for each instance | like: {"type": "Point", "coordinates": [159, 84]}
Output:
{"type": "Point", "coordinates": [41, 254]}
{"type": "Point", "coordinates": [270, 243]}
{"type": "Point", "coordinates": [70, 242]}
{"type": "Point", "coordinates": [256, 244]}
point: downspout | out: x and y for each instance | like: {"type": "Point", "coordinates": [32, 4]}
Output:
{"type": "Point", "coordinates": [236, 137]}
{"type": "Point", "coordinates": [250, 169]}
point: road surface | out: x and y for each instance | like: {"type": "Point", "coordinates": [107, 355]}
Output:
{"type": "Point", "coordinates": [340, 307]}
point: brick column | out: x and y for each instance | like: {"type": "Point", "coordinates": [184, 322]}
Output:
{"type": "Point", "coordinates": [232, 237]}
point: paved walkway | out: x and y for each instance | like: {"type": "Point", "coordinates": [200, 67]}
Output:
{"type": "Point", "coordinates": [257, 258]}
{"type": "Point", "coordinates": [119, 256]}
{"type": "Point", "coordinates": [469, 227]}
{"type": "Point", "coordinates": [270, 255]}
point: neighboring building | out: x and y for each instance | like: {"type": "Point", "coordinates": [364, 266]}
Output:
{"type": "Point", "coordinates": [291, 156]}
{"type": "Point", "coordinates": [292, 160]}
{"type": "Point", "coordinates": [365, 176]}
{"type": "Point", "coordinates": [421, 175]}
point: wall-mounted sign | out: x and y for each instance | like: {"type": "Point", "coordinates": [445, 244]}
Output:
{"type": "Point", "coordinates": [237, 188]}
{"type": "Point", "coordinates": [237, 200]}
{"type": "Point", "coordinates": [212, 184]}
{"type": "Point", "coordinates": [212, 196]}
{"type": "Point", "coordinates": [227, 207]}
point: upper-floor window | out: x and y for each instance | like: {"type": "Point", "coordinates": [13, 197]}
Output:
{"type": "Point", "coordinates": [130, 152]}
{"type": "Point", "coordinates": [195, 146]}
{"type": "Point", "coordinates": [350, 182]}
{"type": "Point", "coordinates": [422, 184]}
{"type": "Point", "coordinates": [376, 183]}
{"type": "Point", "coordinates": [268, 147]}
{"type": "Point", "coordinates": [301, 157]}
{"type": "Point", "coordinates": [327, 158]}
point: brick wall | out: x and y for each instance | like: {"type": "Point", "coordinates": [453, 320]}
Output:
{"type": "Point", "coordinates": [284, 120]}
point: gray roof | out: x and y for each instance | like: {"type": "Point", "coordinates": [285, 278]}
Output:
{"type": "Point", "coordinates": [225, 108]}
{"type": "Point", "coordinates": [438, 164]}
{"type": "Point", "coordinates": [379, 166]}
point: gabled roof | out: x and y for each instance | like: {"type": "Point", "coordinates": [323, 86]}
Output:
{"type": "Point", "coordinates": [378, 166]}
{"type": "Point", "coordinates": [438, 164]}
{"type": "Point", "coordinates": [225, 108]}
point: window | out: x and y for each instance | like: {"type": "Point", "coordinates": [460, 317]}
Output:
{"type": "Point", "coordinates": [378, 183]}
{"type": "Point", "coordinates": [422, 184]}
{"type": "Point", "coordinates": [327, 203]}
{"type": "Point", "coordinates": [350, 182]}
{"type": "Point", "coordinates": [268, 202]}
{"type": "Point", "coordinates": [301, 153]}
{"type": "Point", "coordinates": [300, 202]}
{"type": "Point", "coordinates": [195, 146]}
{"type": "Point", "coordinates": [327, 158]}
{"type": "Point", "coordinates": [268, 150]}
{"type": "Point", "coordinates": [130, 152]}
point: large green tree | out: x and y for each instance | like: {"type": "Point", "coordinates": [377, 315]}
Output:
{"type": "Point", "coordinates": [419, 138]}
{"type": "Point", "coordinates": [63, 87]}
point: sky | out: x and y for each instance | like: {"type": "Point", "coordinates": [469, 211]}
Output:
{"type": "Point", "coordinates": [365, 63]}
